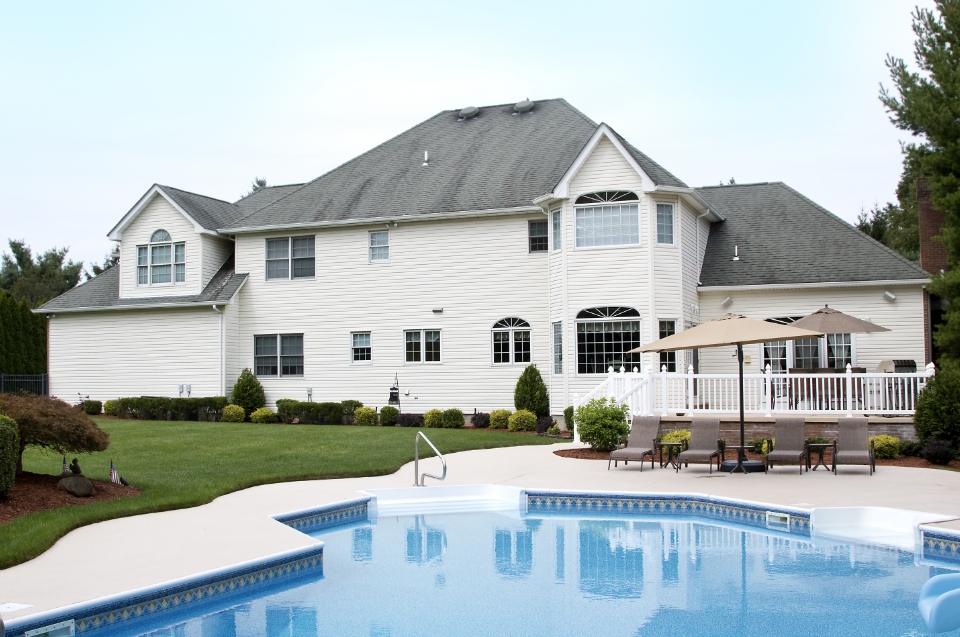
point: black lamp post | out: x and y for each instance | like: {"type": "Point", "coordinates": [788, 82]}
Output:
{"type": "Point", "coordinates": [394, 399]}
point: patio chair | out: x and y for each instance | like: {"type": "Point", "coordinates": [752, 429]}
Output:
{"type": "Point", "coordinates": [791, 448]}
{"type": "Point", "coordinates": [641, 442]}
{"type": "Point", "coordinates": [853, 444]}
{"type": "Point", "coordinates": [704, 443]}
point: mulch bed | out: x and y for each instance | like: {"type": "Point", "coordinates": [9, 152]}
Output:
{"type": "Point", "coordinates": [34, 492]}
{"type": "Point", "coordinates": [903, 461]}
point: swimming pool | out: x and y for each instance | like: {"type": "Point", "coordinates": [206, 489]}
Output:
{"type": "Point", "coordinates": [552, 573]}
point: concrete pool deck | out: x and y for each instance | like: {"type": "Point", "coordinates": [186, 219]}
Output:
{"type": "Point", "coordinates": [119, 555]}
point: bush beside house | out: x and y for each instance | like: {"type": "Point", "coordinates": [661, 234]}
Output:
{"type": "Point", "coordinates": [531, 393]}
{"type": "Point", "coordinates": [938, 408]}
{"type": "Point", "coordinates": [365, 417]}
{"type": "Point", "coordinates": [263, 416]}
{"type": "Point", "coordinates": [601, 423]}
{"type": "Point", "coordinates": [92, 407]}
{"type": "Point", "coordinates": [248, 392]}
{"type": "Point", "coordinates": [453, 418]}
{"type": "Point", "coordinates": [522, 420]}
{"type": "Point", "coordinates": [388, 416]}
{"type": "Point", "coordinates": [500, 418]}
{"type": "Point", "coordinates": [480, 420]}
{"type": "Point", "coordinates": [233, 413]}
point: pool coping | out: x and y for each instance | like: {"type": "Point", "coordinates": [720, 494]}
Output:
{"type": "Point", "coordinates": [938, 546]}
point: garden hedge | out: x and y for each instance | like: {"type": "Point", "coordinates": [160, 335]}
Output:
{"type": "Point", "coordinates": [9, 454]}
{"type": "Point", "coordinates": [147, 408]}
{"type": "Point", "coordinates": [308, 413]}
{"type": "Point", "coordinates": [92, 407]}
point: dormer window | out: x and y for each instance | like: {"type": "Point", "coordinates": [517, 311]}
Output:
{"type": "Point", "coordinates": [161, 262]}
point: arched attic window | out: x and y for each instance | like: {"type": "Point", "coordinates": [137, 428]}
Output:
{"type": "Point", "coordinates": [510, 341]}
{"type": "Point", "coordinates": [161, 261]}
{"type": "Point", "coordinates": [607, 218]}
{"type": "Point", "coordinates": [604, 336]}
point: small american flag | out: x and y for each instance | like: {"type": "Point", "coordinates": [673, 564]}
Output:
{"type": "Point", "coordinates": [114, 476]}
{"type": "Point", "coordinates": [66, 468]}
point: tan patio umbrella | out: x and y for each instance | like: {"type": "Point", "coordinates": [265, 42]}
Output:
{"type": "Point", "coordinates": [729, 329]}
{"type": "Point", "coordinates": [831, 321]}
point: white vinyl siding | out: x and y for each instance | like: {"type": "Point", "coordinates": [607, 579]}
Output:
{"type": "Point", "coordinates": [215, 253]}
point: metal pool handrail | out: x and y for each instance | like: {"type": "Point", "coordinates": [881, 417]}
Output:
{"type": "Point", "coordinates": [416, 461]}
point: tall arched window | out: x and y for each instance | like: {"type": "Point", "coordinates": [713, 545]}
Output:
{"type": "Point", "coordinates": [604, 336]}
{"type": "Point", "coordinates": [510, 341]}
{"type": "Point", "coordinates": [161, 262]}
{"type": "Point", "coordinates": [607, 218]}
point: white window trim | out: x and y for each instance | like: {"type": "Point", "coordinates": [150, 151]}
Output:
{"type": "Point", "coordinates": [370, 258]}
{"type": "Point", "coordinates": [656, 226]}
{"type": "Point", "coordinates": [676, 330]}
{"type": "Point", "coordinates": [553, 348]}
{"type": "Point", "coordinates": [369, 362]}
{"type": "Point", "coordinates": [576, 343]}
{"type": "Point", "coordinates": [278, 375]}
{"type": "Point", "coordinates": [290, 278]}
{"type": "Point", "coordinates": [173, 262]}
{"type": "Point", "coordinates": [638, 244]}
{"type": "Point", "coordinates": [529, 237]}
{"type": "Point", "coordinates": [423, 343]}
{"type": "Point", "coordinates": [553, 230]}
{"type": "Point", "coordinates": [513, 356]}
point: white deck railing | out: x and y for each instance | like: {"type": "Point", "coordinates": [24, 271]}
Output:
{"type": "Point", "coordinates": [843, 393]}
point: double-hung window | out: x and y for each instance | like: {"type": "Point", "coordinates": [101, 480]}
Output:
{"type": "Point", "coordinates": [668, 359]}
{"type": "Point", "coordinates": [162, 261]}
{"type": "Point", "coordinates": [539, 242]}
{"type": "Point", "coordinates": [609, 218]}
{"type": "Point", "coordinates": [511, 341]}
{"type": "Point", "coordinates": [558, 348]}
{"type": "Point", "coordinates": [291, 258]}
{"type": "Point", "coordinates": [379, 246]}
{"type": "Point", "coordinates": [665, 223]}
{"type": "Point", "coordinates": [421, 346]}
{"type": "Point", "coordinates": [834, 351]}
{"type": "Point", "coordinates": [278, 355]}
{"type": "Point", "coordinates": [839, 351]}
{"type": "Point", "coordinates": [362, 352]}
{"type": "Point", "coordinates": [604, 336]}
{"type": "Point", "coordinates": [557, 229]}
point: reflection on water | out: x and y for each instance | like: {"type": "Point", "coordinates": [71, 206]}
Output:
{"type": "Point", "coordinates": [497, 574]}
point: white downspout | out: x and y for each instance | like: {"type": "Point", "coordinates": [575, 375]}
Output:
{"type": "Point", "coordinates": [222, 390]}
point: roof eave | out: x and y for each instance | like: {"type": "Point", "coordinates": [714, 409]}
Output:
{"type": "Point", "coordinates": [433, 216]}
{"type": "Point", "coordinates": [824, 284]}
{"type": "Point", "coordinates": [692, 195]}
{"type": "Point", "coordinates": [117, 231]}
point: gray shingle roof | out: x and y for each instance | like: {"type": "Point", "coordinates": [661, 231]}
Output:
{"type": "Point", "coordinates": [655, 171]}
{"type": "Point", "coordinates": [494, 161]}
{"type": "Point", "coordinates": [264, 197]}
{"type": "Point", "coordinates": [784, 238]}
{"type": "Point", "coordinates": [208, 212]}
{"type": "Point", "coordinates": [103, 293]}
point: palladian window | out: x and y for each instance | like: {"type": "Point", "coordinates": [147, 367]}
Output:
{"type": "Point", "coordinates": [608, 218]}
{"type": "Point", "coordinates": [161, 262]}
{"type": "Point", "coordinates": [604, 336]}
{"type": "Point", "coordinates": [511, 341]}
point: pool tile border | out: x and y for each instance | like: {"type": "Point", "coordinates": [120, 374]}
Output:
{"type": "Point", "coordinates": [741, 512]}
{"type": "Point", "coordinates": [114, 610]}
{"type": "Point", "coordinates": [940, 545]}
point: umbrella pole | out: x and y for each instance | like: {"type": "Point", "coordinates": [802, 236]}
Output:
{"type": "Point", "coordinates": [740, 468]}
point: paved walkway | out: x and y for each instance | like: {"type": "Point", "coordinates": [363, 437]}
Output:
{"type": "Point", "coordinates": [119, 555]}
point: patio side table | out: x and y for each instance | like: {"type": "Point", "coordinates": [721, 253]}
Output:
{"type": "Point", "coordinates": [671, 458]}
{"type": "Point", "coordinates": [820, 448]}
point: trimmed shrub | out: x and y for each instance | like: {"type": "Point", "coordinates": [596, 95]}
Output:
{"type": "Point", "coordinates": [601, 423]}
{"type": "Point", "coordinates": [938, 408]}
{"type": "Point", "coordinates": [554, 431]}
{"type": "Point", "coordinates": [885, 446]}
{"type": "Point", "coordinates": [110, 408]}
{"type": "Point", "coordinates": [818, 440]}
{"type": "Point", "coordinates": [760, 445]}
{"type": "Point", "coordinates": [349, 407]}
{"type": "Point", "coordinates": [210, 407]}
{"type": "Point", "coordinates": [531, 393]}
{"type": "Point", "coordinates": [410, 420]}
{"type": "Point", "coordinates": [50, 423]}
{"type": "Point", "coordinates": [263, 416]}
{"type": "Point", "coordinates": [248, 392]}
{"type": "Point", "coordinates": [545, 423]}
{"type": "Point", "coordinates": [9, 454]}
{"type": "Point", "coordinates": [388, 416]}
{"type": "Point", "coordinates": [148, 408]}
{"type": "Point", "coordinates": [92, 407]}
{"type": "Point", "coordinates": [937, 451]}
{"type": "Point", "coordinates": [365, 416]}
{"type": "Point", "coordinates": [522, 420]}
{"type": "Point", "coordinates": [452, 418]}
{"type": "Point", "coordinates": [433, 419]}
{"type": "Point", "coordinates": [680, 435]}
{"type": "Point", "coordinates": [286, 410]}
{"type": "Point", "coordinates": [480, 420]}
{"type": "Point", "coordinates": [910, 448]}
{"type": "Point", "coordinates": [329, 413]}
{"type": "Point", "coordinates": [568, 418]}
{"type": "Point", "coordinates": [233, 413]}
{"type": "Point", "coordinates": [500, 418]}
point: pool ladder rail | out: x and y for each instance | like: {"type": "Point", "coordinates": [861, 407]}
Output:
{"type": "Point", "coordinates": [416, 461]}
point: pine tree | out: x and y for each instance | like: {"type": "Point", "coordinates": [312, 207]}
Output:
{"type": "Point", "coordinates": [531, 393]}
{"type": "Point", "coordinates": [3, 332]}
{"type": "Point", "coordinates": [248, 393]}
{"type": "Point", "coordinates": [927, 107]}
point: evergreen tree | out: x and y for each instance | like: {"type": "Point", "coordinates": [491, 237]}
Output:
{"type": "Point", "coordinates": [248, 393]}
{"type": "Point", "coordinates": [37, 279]}
{"type": "Point", "coordinates": [927, 106]}
{"type": "Point", "coordinates": [531, 393]}
{"type": "Point", "coordinates": [258, 184]}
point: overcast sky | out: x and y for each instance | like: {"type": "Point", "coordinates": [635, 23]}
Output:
{"type": "Point", "coordinates": [100, 100]}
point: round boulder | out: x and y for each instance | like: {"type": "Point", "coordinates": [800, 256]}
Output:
{"type": "Point", "coordinates": [77, 485]}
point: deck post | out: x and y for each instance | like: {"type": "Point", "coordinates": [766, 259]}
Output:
{"type": "Point", "coordinates": [576, 431]}
{"type": "Point", "coordinates": [849, 391]}
{"type": "Point", "coordinates": [768, 390]}
{"type": "Point", "coordinates": [663, 391]}
{"type": "Point", "coordinates": [690, 382]}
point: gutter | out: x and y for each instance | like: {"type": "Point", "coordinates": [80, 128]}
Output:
{"type": "Point", "coordinates": [692, 192]}
{"type": "Point", "coordinates": [493, 212]}
{"type": "Point", "coordinates": [829, 284]}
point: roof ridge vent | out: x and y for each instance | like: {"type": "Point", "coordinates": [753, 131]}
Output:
{"type": "Point", "coordinates": [522, 106]}
{"type": "Point", "coordinates": [468, 112]}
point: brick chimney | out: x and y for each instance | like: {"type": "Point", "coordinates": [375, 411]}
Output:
{"type": "Point", "coordinates": [933, 254]}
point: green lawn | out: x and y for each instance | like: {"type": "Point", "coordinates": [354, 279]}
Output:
{"type": "Point", "coordinates": [183, 464]}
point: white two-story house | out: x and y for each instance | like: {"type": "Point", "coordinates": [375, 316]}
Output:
{"type": "Point", "coordinates": [458, 252]}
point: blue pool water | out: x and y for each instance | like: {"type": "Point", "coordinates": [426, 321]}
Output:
{"type": "Point", "coordinates": [503, 574]}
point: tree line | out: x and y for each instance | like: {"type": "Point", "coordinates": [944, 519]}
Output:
{"type": "Point", "coordinates": [23, 338]}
